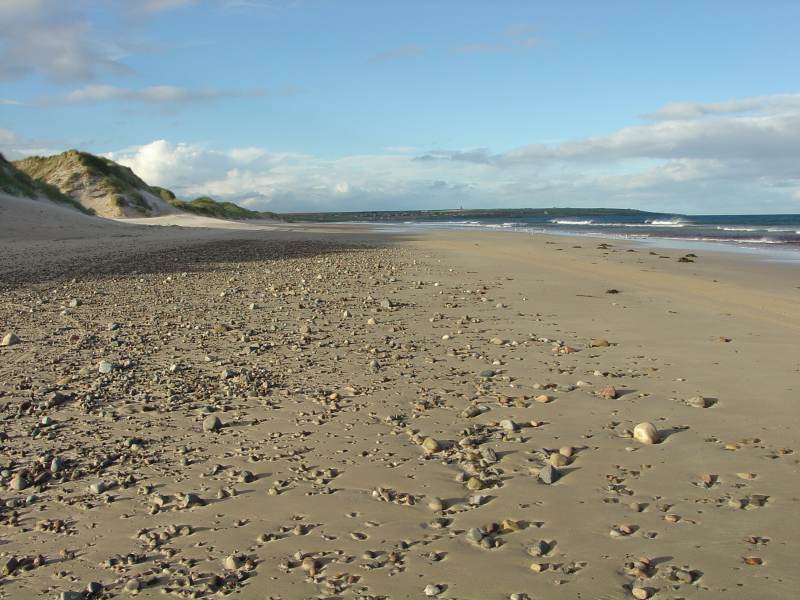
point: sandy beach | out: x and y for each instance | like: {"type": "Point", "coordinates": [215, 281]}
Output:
{"type": "Point", "coordinates": [297, 412]}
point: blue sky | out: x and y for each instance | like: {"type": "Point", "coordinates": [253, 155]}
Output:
{"type": "Point", "coordinates": [323, 105]}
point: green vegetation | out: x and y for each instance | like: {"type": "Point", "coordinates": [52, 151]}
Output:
{"type": "Point", "coordinates": [209, 207]}
{"type": "Point", "coordinates": [447, 214]}
{"type": "Point", "coordinates": [18, 183]}
{"type": "Point", "coordinates": [74, 172]}
{"type": "Point", "coordinates": [71, 169]}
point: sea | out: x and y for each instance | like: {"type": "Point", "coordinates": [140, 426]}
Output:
{"type": "Point", "coordinates": [776, 236]}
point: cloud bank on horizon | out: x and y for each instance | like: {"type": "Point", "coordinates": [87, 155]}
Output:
{"type": "Point", "coordinates": [390, 122]}
{"type": "Point", "coordinates": [742, 147]}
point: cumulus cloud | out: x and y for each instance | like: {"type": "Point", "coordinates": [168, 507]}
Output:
{"type": "Point", "coordinates": [742, 156]}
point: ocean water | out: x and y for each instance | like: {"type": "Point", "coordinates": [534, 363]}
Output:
{"type": "Point", "coordinates": [760, 232]}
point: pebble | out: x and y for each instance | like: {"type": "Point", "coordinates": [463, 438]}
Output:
{"type": "Point", "coordinates": [699, 402]}
{"type": "Point", "coordinates": [105, 367]}
{"type": "Point", "coordinates": [599, 343]}
{"type": "Point", "coordinates": [470, 411]}
{"type": "Point", "coordinates": [645, 433]}
{"type": "Point", "coordinates": [232, 562]}
{"type": "Point", "coordinates": [19, 482]}
{"type": "Point", "coordinates": [212, 424]}
{"type": "Point", "coordinates": [609, 392]}
{"type": "Point", "coordinates": [9, 340]}
{"type": "Point", "coordinates": [435, 504]}
{"type": "Point", "coordinates": [549, 474]}
{"type": "Point", "coordinates": [474, 535]}
{"type": "Point", "coordinates": [543, 398]}
{"type": "Point", "coordinates": [98, 487]}
{"type": "Point", "coordinates": [508, 425]}
{"type": "Point", "coordinates": [539, 548]}
{"type": "Point", "coordinates": [640, 593]}
{"type": "Point", "coordinates": [474, 484]}
{"type": "Point", "coordinates": [432, 589]}
{"type": "Point", "coordinates": [558, 460]}
{"type": "Point", "coordinates": [430, 445]}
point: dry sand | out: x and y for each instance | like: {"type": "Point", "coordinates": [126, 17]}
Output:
{"type": "Point", "coordinates": [203, 412]}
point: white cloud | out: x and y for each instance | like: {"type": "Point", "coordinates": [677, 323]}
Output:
{"type": "Point", "coordinates": [695, 110]}
{"type": "Point", "coordinates": [160, 94]}
{"type": "Point", "coordinates": [741, 156]}
{"type": "Point", "coordinates": [154, 6]}
{"type": "Point", "coordinates": [51, 38]}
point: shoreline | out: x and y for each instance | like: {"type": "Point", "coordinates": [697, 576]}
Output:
{"type": "Point", "coordinates": [261, 422]}
{"type": "Point", "coordinates": [777, 252]}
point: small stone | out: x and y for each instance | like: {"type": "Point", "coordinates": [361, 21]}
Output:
{"type": "Point", "coordinates": [232, 562]}
{"type": "Point", "coordinates": [510, 525]}
{"type": "Point", "coordinates": [538, 567]}
{"type": "Point", "coordinates": [133, 585]}
{"type": "Point", "coordinates": [487, 374]}
{"type": "Point", "coordinates": [8, 565]}
{"type": "Point", "coordinates": [105, 367]}
{"type": "Point", "coordinates": [212, 424]}
{"type": "Point", "coordinates": [753, 561]}
{"type": "Point", "coordinates": [608, 392]}
{"type": "Point", "coordinates": [432, 589]}
{"type": "Point", "coordinates": [497, 341]}
{"type": "Point", "coordinates": [94, 587]}
{"type": "Point", "coordinates": [645, 433]}
{"type": "Point", "coordinates": [9, 340]}
{"type": "Point", "coordinates": [558, 460]}
{"type": "Point", "coordinates": [70, 595]}
{"type": "Point", "coordinates": [19, 482]}
{"type": "Point", "coordinates": [699, 402]}
{"type": "Point", "coordinates": [508, 425]}
{"type": "Point", "coordinates": [543, 398]}
{"type": "Point", "coordinates": [309, 565]}
{"type": "Point", "coordinates": [435, 504]}
{"type": "Point", "coordinates": [190, 500]}
{"type": "Point", "coordinates": [386, 303]}
{"type": "Point", "coordinates": [539, 548]}
{"type": "Point", "coordinates": [599, 343]}
{"type": "Point", "coordinates": [470, 411]}
{"type": "Point", "coordinates": [640, 593]}
{"type": "Point", "coordinates": [474, 535]}
{"type": "Point", "coordinates": [549, 474]}
{"type": "Point", "coordinates": [430, 445]}
{"type": "Point", "coordinates": [474, 484]}
{"type": "Point", "coordinates": [98, 487]}
{"type": "Point", "coordinates": [567, 451]}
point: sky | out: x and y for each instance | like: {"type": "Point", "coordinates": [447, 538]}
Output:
{"type": "Point", "coordinates": [308, 105]}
